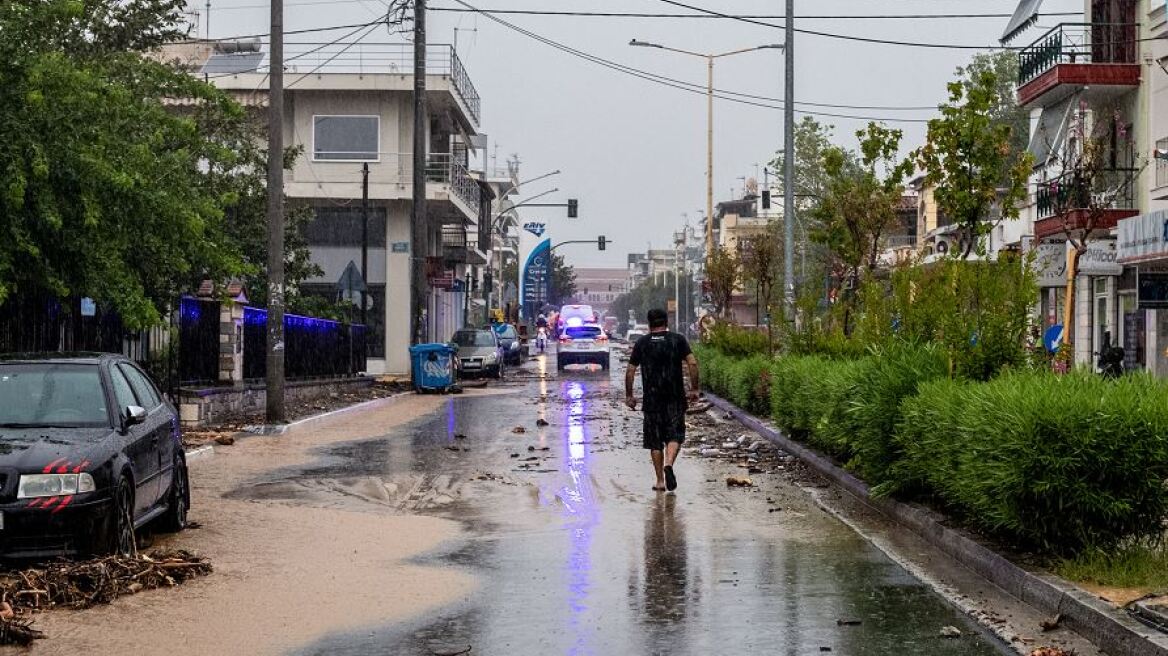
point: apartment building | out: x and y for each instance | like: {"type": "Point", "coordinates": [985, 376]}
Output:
{"type": "Point", "coordinates": [351, 112]}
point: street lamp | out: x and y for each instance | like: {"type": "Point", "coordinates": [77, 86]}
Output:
{"type": "Point", "coordinates": [709, 57]}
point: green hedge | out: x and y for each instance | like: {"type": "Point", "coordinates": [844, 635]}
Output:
{"type": "Point", "coordinates": [1058, 463]}
{"type": "Point", "coordinates": [1054, 463]}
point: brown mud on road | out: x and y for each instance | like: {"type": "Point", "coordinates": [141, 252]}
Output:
{"type": "Point", "coordinates": [286, 572]}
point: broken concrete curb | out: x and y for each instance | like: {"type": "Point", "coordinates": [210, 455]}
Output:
{"type": "Point", "coordinates": [280, 429]}
{"type": "Point", "coordinates": [1111, 630]}
{"type": "Point", "coordinates": [199, 453]}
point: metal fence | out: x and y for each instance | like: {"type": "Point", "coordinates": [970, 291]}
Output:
{"type": "Point", "coordinates": [198, 336]}
{"type": "Point", "coordinates": [1078, 43]}
{"type": "Point", "coordinates": [313, 348]}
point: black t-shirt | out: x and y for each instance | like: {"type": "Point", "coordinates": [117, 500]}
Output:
{"type": "Point", "coordinates": [660, 357]}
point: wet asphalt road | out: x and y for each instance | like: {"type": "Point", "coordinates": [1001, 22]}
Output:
{"type": "Point", "coordinates": [576, 555]}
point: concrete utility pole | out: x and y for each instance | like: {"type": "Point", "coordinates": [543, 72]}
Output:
{"type": "Point", "coordinates": [365, 243]}
{"type": "Point", "coordinates": [275, 354]}
{"type": "Point", "coordinates": [419, 224]}
{"type": "Point", "coordinates": [789, 167]}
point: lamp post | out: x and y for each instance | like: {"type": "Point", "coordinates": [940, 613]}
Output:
{"type": "Point", "coordinates": [709, 57]}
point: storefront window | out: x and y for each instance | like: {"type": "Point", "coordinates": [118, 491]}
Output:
{"type": "Point", "coordinates": [1132, 327]}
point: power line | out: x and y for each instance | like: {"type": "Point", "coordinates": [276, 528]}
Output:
{"type": "Point", "coordinates": [667, 81]}
{"type": "Point", "coordinates": [625, 14]}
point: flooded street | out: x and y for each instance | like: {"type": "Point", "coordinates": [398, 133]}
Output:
{"type": "Point", "coordinates": [430, 525]}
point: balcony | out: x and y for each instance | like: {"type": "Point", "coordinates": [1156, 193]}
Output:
{"type": "Point", "coordinates": [1100, 56]}
{"type": "Point", "coordinates": [441, 168]}
{"type": "Point", "coordinates": [1068, 204]}
{"type": "Point", "coordinates": [457, 249]}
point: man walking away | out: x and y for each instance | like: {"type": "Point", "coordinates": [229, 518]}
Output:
{"type": "Point", "coordinates": [661, 355]}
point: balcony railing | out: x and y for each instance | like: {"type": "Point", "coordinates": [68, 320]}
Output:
{"type": "Point", "coordinates": [443, 168]}
{"type": "Point", "coordinates": [900, 241]}
{"type": "Point", "coordinates": [1078, 43]}
{"type": "Point", "coordinates": [307, 58]}
{"type": "Point", "coordinates": [1112, 189]}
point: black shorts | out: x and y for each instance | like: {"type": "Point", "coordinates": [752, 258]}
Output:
{"type": "Point", "coordinates": [662, 428]}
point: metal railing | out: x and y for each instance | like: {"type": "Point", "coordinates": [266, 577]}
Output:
{"type": "Point", "coordinates": [307, 58]}
{"type": "Point", "coordinates": [1078, 43]}
{"type": "Point", "coordinates": [900, 241]}
{"type": "Point", "coordinates": [1111, 189]}
{"type": "Point", "coordinates": [444, 168]}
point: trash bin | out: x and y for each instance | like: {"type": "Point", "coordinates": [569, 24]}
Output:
{"type": "Point", "coordinates": [432, 367]}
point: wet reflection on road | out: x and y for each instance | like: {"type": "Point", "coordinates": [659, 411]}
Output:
{"type": "Point", "coordinates": [577, 555]}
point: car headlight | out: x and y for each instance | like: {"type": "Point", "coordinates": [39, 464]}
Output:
{"type": "Point", "coordinates": [514, 345]}
{"type": "Point", "coordinates": [54, 485]}
{"type": "Point", "coordinates": [491, 357]}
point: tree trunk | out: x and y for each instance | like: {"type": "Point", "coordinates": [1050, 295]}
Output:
{"type": "Point", "coordinates": [1069, 303]}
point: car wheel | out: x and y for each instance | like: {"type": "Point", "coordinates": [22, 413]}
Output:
{"type": "Point", "coordinates": [121, 528]}
{"type": "Point", "coordinates": [604, 363]}
{"type": "Point", "coordinates": [179, 499]}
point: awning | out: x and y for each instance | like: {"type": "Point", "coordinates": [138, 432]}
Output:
{"type": "Point", "coordinates": [1024, 16]}
{"type": "Point", "coordinates": [1047, 137]}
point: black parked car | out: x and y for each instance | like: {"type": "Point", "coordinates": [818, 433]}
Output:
{"type": "Point", "coordinates": [511, 343]}
{"type": "Point", "coordinates": [90, 451]}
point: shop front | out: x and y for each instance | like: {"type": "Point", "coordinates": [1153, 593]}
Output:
{"type": "Point", "coordinates": [1101, 295]}
{"type": "Point", "coordinates": [1143, 252]}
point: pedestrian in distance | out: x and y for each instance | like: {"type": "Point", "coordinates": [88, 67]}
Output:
{"type": "Point", "coordinates": [663, 358]}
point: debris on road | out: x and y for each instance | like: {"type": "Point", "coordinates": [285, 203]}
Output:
{"type": "Point", "coordinates": [849, 622]}
{"type": "Point", "coordinates": [17, 631]}
{"type": "Point", "coordinates": [1051, 651]}
{"type": "Point", "coordinates": [1051, 625]}
{"type": "Point", "coordinates": [950, 632]}
{"type": "Point", "coordinates": [519, 430]}
{"type": "Point", "coordinates": [739, 481]}
{"type": "Point", "coordinates": [225, 440]}
{"type": "Point", "coordinates": [459, 436]}
{"type": "Point", "coordinates": [84, 584]}
{"type": "Point", "coordinates": [698, 409]}
{"type": "Point", "coordinates": [541, 423]}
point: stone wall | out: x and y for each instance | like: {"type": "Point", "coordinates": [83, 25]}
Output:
{"type": "Point", "coordinates": [203, 407]}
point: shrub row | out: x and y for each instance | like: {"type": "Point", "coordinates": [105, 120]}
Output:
{"type": "Point", "coordinates": [1053, 463]}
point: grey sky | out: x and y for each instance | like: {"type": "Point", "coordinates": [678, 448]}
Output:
{"type": "Point", "coordinates": [634, 152]}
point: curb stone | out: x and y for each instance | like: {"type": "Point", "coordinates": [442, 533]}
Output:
{"type": "Point", "coordinates": [1110, 629]}
{"type": "Point", "coordinates": [199, 452]}
{"type": "Point", "coordinates": [269, 429]}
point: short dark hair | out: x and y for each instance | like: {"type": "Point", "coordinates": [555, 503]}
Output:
{"type": "Point", "coordinates": [658, 318]}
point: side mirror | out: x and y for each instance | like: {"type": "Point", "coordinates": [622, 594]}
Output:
{"type": "Point", "coordinates": [134, 414]}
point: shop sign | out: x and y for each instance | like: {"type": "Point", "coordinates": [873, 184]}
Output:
{"type": "Point", "coordinates": [1100, 259]}
{"type": "Point", "coordinates": [1143, 238]}
{"type": "Point", "coordinates": [1050, 264]}
{"type": "Point", "coordinates": [1153, 290]}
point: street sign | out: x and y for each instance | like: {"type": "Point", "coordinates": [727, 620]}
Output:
{"type": "Point", "coordinates": [1053, 338]}
{"type": "Point", "coordinates": [401, 247]}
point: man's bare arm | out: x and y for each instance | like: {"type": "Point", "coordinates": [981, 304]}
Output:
{"type": "Point", "coordinates": [695, 386]}
{"type": "Point", "coordinates": [630, 380]}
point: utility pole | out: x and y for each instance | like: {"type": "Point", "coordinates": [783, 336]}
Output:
{"type": "Point", "coordinates": [789, 167]}
{"type": "Point", "coordinates": [710, 162]}
{"type": "Point", "coordinates": [275, 345]}
{"type": "Point", "coordinates": [365, 243]}
{"type": "Point", "coordinates": [209, 20]}
{"type": "Point", "coordinates": [419, 224]}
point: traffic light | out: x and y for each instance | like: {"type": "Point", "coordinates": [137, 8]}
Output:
{"type": "Point", "coordinates": [602, 242]}
{"type": "Point", "coordinates": [766, 199]}
{"type": "Point", "coordinates": [574, 209]}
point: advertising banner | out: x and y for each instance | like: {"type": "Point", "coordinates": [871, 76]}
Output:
{"type": "Point", "coordinates": [535, 262]}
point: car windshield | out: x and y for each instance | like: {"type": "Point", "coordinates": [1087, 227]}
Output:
{"type": "Point", "coordinates": [584, 332]}
{"type": "Point", "coordinates": [507, 332]}
{"type": "Point", "coordinates": [474, 338]}
{"type": "Point", "coordinates": [38, 395]}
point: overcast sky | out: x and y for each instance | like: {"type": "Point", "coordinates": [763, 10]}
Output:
{"type": "Point", "coordinates": [633, 152]}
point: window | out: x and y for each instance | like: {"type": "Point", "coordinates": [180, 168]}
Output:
{"type": "Point", "coordinates": [143, 388]}
{"type": "Point", "coordinates": [346, 138]}
{"type": "Point", "coordinates": [51, 395]}
{"type": "Point", "coordinates": [470, 338]}
{"type": "Point", "coordinates": [123, 394]}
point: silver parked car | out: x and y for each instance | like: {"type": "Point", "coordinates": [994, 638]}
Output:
{"type": "Point", "coordinates": [479, 353]}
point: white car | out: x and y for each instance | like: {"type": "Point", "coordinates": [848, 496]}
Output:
{"type": "Point", "coordinates": [576, 316]}
{"type": "Point", "coordinates": [585, 344]}
{"type": "Point", "coordinates": [636, 332]}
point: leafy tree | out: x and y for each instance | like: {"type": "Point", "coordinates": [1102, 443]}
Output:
{"type": "Point", "coordinates": [1006, 110]}
{"type": "Point", "coordinates": [969, 157]}
{"type": "Point", "coordinates": [759, 256]}
{"type": "Point", "coordinates": [722, 276]}
{"type": "Point", "coordinates": [650, 294]}
{"type": "Point", "coordinates": [108, 189]}
{"type": "Point", "coordinates": [859, 202]}
{"type": "Point", "coordinates": [563, 281]}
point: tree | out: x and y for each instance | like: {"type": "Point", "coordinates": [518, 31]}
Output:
{"type": "Point", "coordinates": [759, 256]}
{"type": "Point", "coordinates": [563, 281]}
{"type": "Point", "coordinates": [106, 190]}
{"type": "Point", "coordinates": [1006, 110]}
{"type": "Point", "coordinates": [859, 203]}
{"type": "Point", "coordinates": [722, 273]}
{"type": "Point", "coordinates": [650, 294]}
{"type": "Point", "coordinates": [969, 159]}
{"type": "Point", "coordinates": [1097, 170]}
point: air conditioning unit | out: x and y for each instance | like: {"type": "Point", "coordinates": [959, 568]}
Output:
{"type": "Point", "coordinates": [943, 246]}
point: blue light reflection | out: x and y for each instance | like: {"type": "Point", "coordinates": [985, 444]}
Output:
{"type": "Point", "coordinates": [581, 515]}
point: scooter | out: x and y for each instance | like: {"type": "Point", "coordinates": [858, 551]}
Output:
{"type": "Point", "coordinates": [541, 339]}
